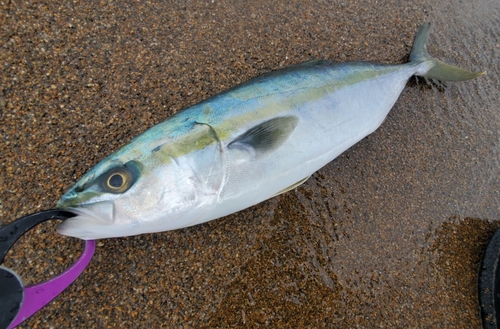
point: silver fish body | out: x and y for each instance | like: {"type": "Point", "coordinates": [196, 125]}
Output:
{"type": "Point", "coordinates": [243, 146]}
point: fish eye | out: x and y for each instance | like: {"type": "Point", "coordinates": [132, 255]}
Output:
{"type": "Point", "coordinates": [116, 180]}
{"type": "Point", "coordinates": [119, 179]}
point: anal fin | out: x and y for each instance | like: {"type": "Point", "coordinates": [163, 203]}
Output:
{"type": "Point", "coordinates": [291, 187]}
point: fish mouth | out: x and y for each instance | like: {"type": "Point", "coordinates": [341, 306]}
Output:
{"type": "Point", "coordinates": [92, 221]}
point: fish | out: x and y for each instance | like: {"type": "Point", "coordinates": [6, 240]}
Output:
{"type": "Point", "coordinates": [242, 146]}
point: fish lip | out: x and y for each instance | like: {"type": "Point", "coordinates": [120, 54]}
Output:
{"type": "Point", "coordinates": [94, 211]}
{"type": "Point", "coordinates": [89, 221]}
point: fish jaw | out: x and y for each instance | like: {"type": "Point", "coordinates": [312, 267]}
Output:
{"type": "Point", "coordinates": [92, 221]}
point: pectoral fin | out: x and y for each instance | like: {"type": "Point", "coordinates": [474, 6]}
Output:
{"type": "Point", "coordinates": [267, 136]}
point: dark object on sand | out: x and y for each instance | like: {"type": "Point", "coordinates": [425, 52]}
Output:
{"type": "Point", "coordinates": [489, 284]}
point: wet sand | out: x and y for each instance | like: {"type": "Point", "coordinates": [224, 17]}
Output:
{"type": "Point", "coordinates": [390, 234]}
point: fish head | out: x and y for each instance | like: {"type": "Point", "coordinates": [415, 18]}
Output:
{"type": "Point", "coordinates": [122, 198]}
{"type": "Point", "coordinates": [167, 178]}
{"type": "Point", "coordinates": [93, 197]}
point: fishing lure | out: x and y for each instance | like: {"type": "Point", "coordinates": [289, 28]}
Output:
{"type": "Point", "coordinates": [242, 146]}
{"type": "Point", "coordinates": [18, 303]}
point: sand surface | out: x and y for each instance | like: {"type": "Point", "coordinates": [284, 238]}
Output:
{"type": "Point", "coordinates": [390, 234]}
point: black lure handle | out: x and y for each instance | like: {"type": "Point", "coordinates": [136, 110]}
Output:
{"type": "Point", "coordinates": [11, 296]}
{"type": "Point", "coordinates": [11, 232]}
{"type": "Point", "coordinates": [11, 285]}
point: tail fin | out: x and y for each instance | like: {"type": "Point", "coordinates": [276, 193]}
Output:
{"type": "Point", "coordinates": [439, 70]}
